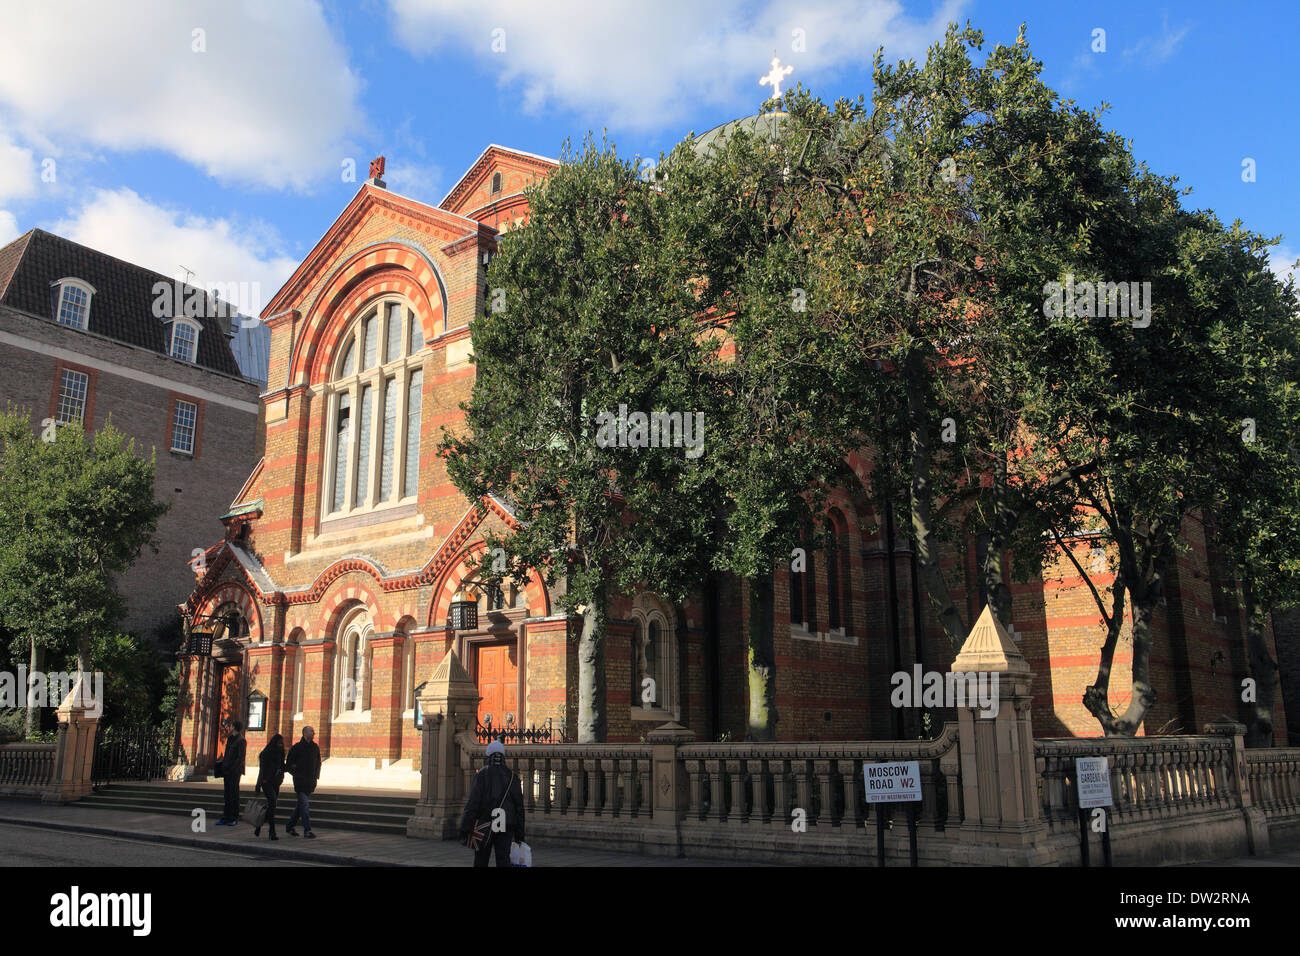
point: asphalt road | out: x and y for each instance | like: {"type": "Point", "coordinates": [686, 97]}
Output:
{"type": "Point", "coordinates": [30, 846]}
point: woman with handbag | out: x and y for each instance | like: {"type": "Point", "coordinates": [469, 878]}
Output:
{"type": "Point", "coordinates": [270, 774]}
{"type": "Point", "coordinates": [482, 828]}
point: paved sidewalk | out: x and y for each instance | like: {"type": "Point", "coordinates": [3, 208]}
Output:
{"type": "Point", "coordinates": [339, 847]}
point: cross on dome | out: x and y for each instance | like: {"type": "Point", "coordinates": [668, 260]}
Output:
{"type": "Point", "coordinates": [774, 77]}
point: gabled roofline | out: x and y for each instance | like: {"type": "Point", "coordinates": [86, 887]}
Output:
{"type": "Point", "coordinates": [26, 240]}
{"type": "Point", "coordinates": [435, 213]}
{"type": "Point", "coordinates": [483, 155]}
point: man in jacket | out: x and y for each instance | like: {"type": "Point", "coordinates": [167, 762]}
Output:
{"type": "Point", "coordinates": [232, 768]}
{"type": "Point", "coordinates": [303, 763]}
{"type": "Point", "coordinates": [495, 787]}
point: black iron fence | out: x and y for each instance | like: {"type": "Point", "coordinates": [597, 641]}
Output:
{"type": "Point", "coordinates": [515, 735]}
{"type": "Point", "coordinates": [132, 752]}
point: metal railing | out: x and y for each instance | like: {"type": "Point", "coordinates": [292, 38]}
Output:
{"type": "Point", "coordinates": [132, 752]}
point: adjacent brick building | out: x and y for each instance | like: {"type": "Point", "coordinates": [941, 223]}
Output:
{"type": "Point", "coordinates": [331, 589]}
{"type": "Point", "coordinates": [80, 342]}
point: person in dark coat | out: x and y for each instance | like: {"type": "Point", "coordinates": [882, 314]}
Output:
{"type": "Point", "coordinates": [270, 774]}
{"type": "Point", "coordinates": [304, 764]}
{"type": "Point", "coordinates": [495, 786]}
{"type": "Point", "coordinates": [232, 768]}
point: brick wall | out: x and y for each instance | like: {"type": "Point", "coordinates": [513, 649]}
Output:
{"type": "Point", "coordinates": [136, 388]}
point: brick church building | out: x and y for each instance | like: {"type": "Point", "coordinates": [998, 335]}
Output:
{"type": "Point", "coordinates": [327, 602]}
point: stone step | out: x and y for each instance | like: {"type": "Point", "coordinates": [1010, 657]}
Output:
{"type": "Point", "coordinates": [333, 811]}
{"type": "Point", "coordinates": [187, 791]}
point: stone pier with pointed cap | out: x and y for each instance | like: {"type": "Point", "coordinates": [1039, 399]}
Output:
{"type": "Point", "coordinates": [1001, 822]}
{"type": "Point", "coordinates": [78, 722]}
{"type": "Point", "coordinates": [449, 704]}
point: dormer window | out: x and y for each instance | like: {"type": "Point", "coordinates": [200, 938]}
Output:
{"type": "Point", "coordinates": [72, 302]}
{"type": "Point", "coordinates": [185, 340]}
{"type": "Point", "coordinates": [496, 183]}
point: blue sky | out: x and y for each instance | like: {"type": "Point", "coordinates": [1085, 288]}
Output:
{"type": "Point", "coordinates": [214, 136]}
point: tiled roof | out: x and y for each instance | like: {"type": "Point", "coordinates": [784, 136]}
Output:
{"type": "Point", "coordinates": [122, 306]}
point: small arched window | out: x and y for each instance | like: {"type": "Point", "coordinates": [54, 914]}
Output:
{"type": "Point", "coordinates": [373, 411]}
{"type": "Point", "coordinates": [352, 666]}
{"type": "Point", "coordinates": [72, 302]}
{"type": "Point", "coordinates": [496, 183]}
{"type": "Point", "coordinates": [184, 344]}
{"type": "Point", "coordinates": [299, 669]}
{"type": "Point", "coordinates": [654, 675]}
{"type": "Point", "coordinates": [838, 616]}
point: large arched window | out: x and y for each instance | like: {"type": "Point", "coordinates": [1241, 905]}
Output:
{"type": "Point", "coordinates": [373, 412]}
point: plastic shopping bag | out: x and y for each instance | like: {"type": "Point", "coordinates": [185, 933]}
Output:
{"type": "Point", "coordinates": [521, 854]}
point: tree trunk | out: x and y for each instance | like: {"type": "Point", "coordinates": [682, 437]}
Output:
{"type": "Point", "coordinates": [927, 556]}
{"type": "Point", "coordinates": [83, 653]}
{"type": "Point", "coordinates": [30, 724]}
{"type": "Point", "coordinates": [591, 671]}
{"type": "Point", "coordinates": [1262, 668]}
{"type": "Point", "coordinates": [1145, 597]}
{"type": "Point", "coordinates": [1004, 522]}
{"type": "Point", "coordinates": [1096, 698]}
{"type": "Point", "coordinates": [762, 661]}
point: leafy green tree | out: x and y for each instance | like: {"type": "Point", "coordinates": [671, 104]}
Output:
{"type": "Point", "coordinates": [732, 234]}
{"type": "Point", "coordinates": [75, 513]}
{"type": "Point", "coordinates": [579, 337]}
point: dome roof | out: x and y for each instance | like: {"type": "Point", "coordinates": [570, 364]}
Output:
{"type": "Point", "coordinates": [763, 124]}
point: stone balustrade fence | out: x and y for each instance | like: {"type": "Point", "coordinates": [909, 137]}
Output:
{"type": "Point", "coordinates": [26, 768]}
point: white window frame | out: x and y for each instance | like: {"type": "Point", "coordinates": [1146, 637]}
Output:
{"type": "Point", "coordinates": [194, 426]}
{"type": "Point", "coordinates": [196, 328]}
{"type": "Point", "coordinates": [61, 286]}
{"type": "Point", "coordinates": [400, 370]}
{"type": "Point", "coordinates": [85, 397]}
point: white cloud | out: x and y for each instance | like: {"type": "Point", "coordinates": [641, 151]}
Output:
{"type": "Point", "coordinates": [271, 99]}
{"type": "Point", "coordinates": [1154, 50]}
{"type": "Point", "coordinates": [415, 180]}
{"type": "Point", "coordinates": [18, 175]}
{"type": "Point", "coordinates": [8, 227]}
{"type": "Point", "coordinates": [123, 224]}
{"type": "Point", "coordinates": [643, 68]}
{"type": "Point", "coordinates": [1281, 260]}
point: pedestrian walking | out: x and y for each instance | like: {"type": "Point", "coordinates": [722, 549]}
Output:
{"type": "Point", "coordinates": [495, 788]}
{"type": "Point", "coordinates": [232, 768]}
{"type": "Point", "coordinates": [270, 774]}
{"type": "Point", "coordinates": [303, 763]}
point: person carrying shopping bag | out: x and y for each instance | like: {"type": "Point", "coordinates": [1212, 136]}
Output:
{"type": "Point", "coordinates": [270, 774]}
{"type": "Point", "coordinates": [494, 811]}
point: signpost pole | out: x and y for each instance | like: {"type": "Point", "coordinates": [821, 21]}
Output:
{"type": "Point", "coordinates": [1092, 788]}
{"type": "Point", "coordinates": [896, 781]}
{"type": "Point", "coordinates": [911, 832]}
{"type": "Point", "coordinates": [1083, 836]}
{"type": "Point", "coordinates": [880, 833]}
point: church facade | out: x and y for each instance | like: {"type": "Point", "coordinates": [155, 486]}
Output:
{"type": "Point", "coordinates": [327, 602]}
